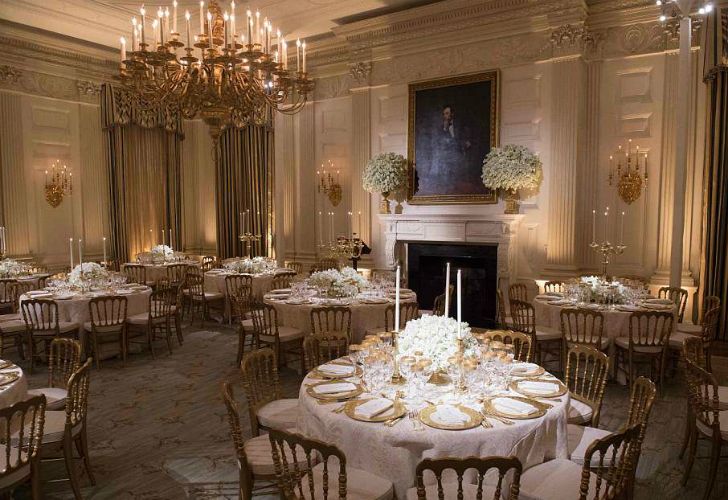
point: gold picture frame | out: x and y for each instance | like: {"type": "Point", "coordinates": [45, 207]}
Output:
{"type": "Point", "coordinates": [434, 183]}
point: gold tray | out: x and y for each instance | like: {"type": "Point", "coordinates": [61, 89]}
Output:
{"type": "Point", "coordinates": [562, 389]}
{"type": "Point", "coordinates": [339, 396]}
{"type": "Point", "coordinates": [396, 411]}
{"type": "Point", "coordinates": [540, 408]}
{"type": "Point", "coordinates": [537, 373]}
{"type": "Point", "coordinates": [475, 419]}
{"type": "Point", "coordinates": [329, 376]}
{"type": "Point", "coordinates": [8, 378]}
{"type": "Point", "coordinates": [4, 363]}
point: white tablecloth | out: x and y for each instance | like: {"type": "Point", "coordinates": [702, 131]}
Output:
{"type": "Point", "coordinates": [394, 452]}
{"type": "Point", "coordinates": [15, 391]}
{"type": "Point", "coordinates": [215, 281]}
{"type": "Point", "coordinates": [155, 272]}
{"type": "Point", "coordinates": [76, 309]}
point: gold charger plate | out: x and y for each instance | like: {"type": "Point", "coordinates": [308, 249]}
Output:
{"type": "Point", "coordinates": [475, 419]}
{"type": "Point", "coordinates": [4, 363]}
{"type": "Point", "coordinates": [8, 378]}
{"type": "Point", "coordinates": [540, 409]}
{"type": "Point", "coordinates": [338, 396]}
{"type": "Point", "coordinates": [357, 372]}
{"type": "Point", "coordinates": [535, 373]}
{"type": "Point", "coordinates": [516, 386]}
{"type": "Point", "coordinates": [397, 410]}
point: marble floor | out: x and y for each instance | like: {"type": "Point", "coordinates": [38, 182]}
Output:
{"type": "Point", "coordinates": [158, 428]}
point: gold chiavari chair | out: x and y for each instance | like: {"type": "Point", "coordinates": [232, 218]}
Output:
{"type": "Point", "coordinates": [198, 300]}
{"type": "Point", "coordinates": [149, 324]}
{"type": "Point", "coordinates": [18, 289]}
{"type": "Point", "coordinates": [42, 326]}
{"type": "Point", "coordinates": [66, 430]}
{"type": "Point", "coordinates": [709, 330]}
{"type": "Point", "coordinates": [560, 478]}
{"type": "Point", "coordinates": [679, 296]}
{"type": "Point", "coordinates": [521, 342]}
{"type": "Point", "coordinates": [267, 410]}
{"type": "Point", "coordinates": [586, 376]}
{"type": "Point", "coordinates": [545, 340]}
{"type": "Point", "coordinates": [241, 306]}
{"type": "Point", "coordinates": [135, 273]}
{"type": "Point", "coordinates": [235, 284]}
{"type": "Point", "coordinates": [706, 421]}
{"type": "Point", "coordinates": [63, 360]}
{"type": "Point", "coordinates": [323, 480]}
{"type": "Point", "coordinates": [648, 343]}
{"type": "Point", "coordinates": [19, 450]}
{"type": "Point", "coordinates": [331, 319]}
{"type": "Point", "coordinates": [582, 327]}
{"type": "Point", "coordinates": [710, 302]}
{"type": "Point", "coordinates": [209, 262]}
{"type": "Point", "coordinates": [296, 266]}
{"type": "Point", "coordinates": [12, 326]}
{"type": "Point", "coordinates": [553, 287]}
{"type": "Point", "coordinates": [407, 312]}
{"type": "Point", "coordinates": [518, 291]}
{"type": "Point", "coordinates": [438, 307]}
{"type": "Point", "coordinates": [320, 348]}
{"type": "Point", "coordinates": [504, 321]}
{"type": "Point", "coordinates": [692, 349]}
{"type": "Point", "coordinates": [506, 488]}
{"type": "Point", "coordinates": [254, 456]}
{"type": "Point", "coordinates": [281, 281]}
{"type": "Point", "coordinates": [177, 274]}
{"type": "Point", "coordinates": [6, 296]}
{"type": "Point", "coordinates": [108, 325]}
{"type": "Point", "coordinates": [284, 340]}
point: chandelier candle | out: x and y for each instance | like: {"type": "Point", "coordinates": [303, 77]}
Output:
{"type": "Point", "coordinates": [104, 249]}
{"type": "Point", "coordinates": [123, 49]}
{"type": "Point", "coordinates": [202, 18]}
{"type": "Point", "coordinates": [460, 309]}
{"type": "Point", "coordinates": [70, 250]}
{"type": "Point", "coordinates": [144, 20]}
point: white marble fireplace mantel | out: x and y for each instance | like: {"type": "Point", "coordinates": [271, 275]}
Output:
{"type": "Point", "coordinates": [498, 229]}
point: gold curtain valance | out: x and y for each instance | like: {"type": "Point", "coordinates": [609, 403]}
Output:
{"type": "Point", "coordinates": [119, 107]}
{"type": "Point", "coordinates": [715, 43]}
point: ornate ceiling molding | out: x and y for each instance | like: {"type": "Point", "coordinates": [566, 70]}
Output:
{"type": "Point", "coordinates": [9, 75]}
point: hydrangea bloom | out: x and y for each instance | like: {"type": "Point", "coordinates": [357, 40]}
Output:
{"type": "Point", "coordinates": [511, 168]}
{"type": "Point", "coordinates": [436, 337]}
{"type": "Point", "coordinates": [385, 173]}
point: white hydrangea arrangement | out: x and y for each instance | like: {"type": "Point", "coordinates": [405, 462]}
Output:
{"type": "Point", "coordinates": [385, 173]}
{"type": "Point", "coordinates": [511, 168]}
{"type": "Point", "coordinates": [85, 273]}
{"type": "Point", "coordinates": [345, 283]}
{"type": "Point", "coordinates": [255, 265]}
{"type": "Point", "coordinates": [10, 268]}
{"type": "Point", "coordinates": [436, 338]}
{"type": "Point", "coordinates": [601, 289]}
{"type": "Point", "coordinates": [162, 252]}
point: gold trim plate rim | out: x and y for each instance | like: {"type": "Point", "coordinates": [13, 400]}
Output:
{"type": "Point", "coordinates": [328, 376]}
{"type": "Point", "coordinates": [475, 418]}
{"type": "Point", "coordinates": [562, 389]}
{"type": "Point", "coordinates": [537, 373]}
{"type": "Point", "coordinates": [340, 396]}
{"type": "Point", "coordinates": [398, 410]}
{"type": "Point", "coordinates": [8, 378]}
{"type": "Point", "coordinates": [6, 363]}
{"type": "Point", "coordinates": [540, 408]}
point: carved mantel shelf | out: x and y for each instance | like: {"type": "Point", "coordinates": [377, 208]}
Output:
{"type": "Point", "coordinates": [498, 229]}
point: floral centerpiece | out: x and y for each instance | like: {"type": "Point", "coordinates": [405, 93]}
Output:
{"type": "Point", "coordinates": [255, 265]}
{"type": "Point", "coordinates": [436, 338]}
{"type": "Point", "coordinates": [345, 283]}
{"type": "Point", "coordinates": [385, 173]}
{"type": "Point", "coordinates": [510, 169]}
{"type": "Point", "coordinates": [602, 291]}
{"type": "Point", "coordinates": [162, 253]}
{"type": "Point", "coordinates": [10, 268]}
{"type": "Point", "coordinates": [87, 274]}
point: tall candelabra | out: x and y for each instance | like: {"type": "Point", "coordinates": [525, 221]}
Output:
{"type": "Point", "coordinates": [247, 239]}
{"type": "Point", "coordinates": [606, 249]}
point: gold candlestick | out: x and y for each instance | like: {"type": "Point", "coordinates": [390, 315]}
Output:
{"type": "Point", "coordinates": [397, 378]}
{"type": "Point", "coordinates": [248, 238]}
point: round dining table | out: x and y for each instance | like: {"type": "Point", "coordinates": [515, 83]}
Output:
{"type": "Point", "coordinates": [393, 452]}
{"type": "Point", "coordinates": [366, 313]}
{"type": "Point", "coordinates": [262, 282]}
{"type": "Point", "coordinates": [155, 272]}
{"type": "Point", "coordinates": [13, 384]}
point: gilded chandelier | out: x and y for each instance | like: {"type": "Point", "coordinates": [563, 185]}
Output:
{"type": "Point", "coordinates": [327, 185]}
{"type": "Point", "coordinates": [631, 173]}
{"type": "Point", "coordinates": [58, 183]}
{"type": "Point", "coordinates": [225, 75]}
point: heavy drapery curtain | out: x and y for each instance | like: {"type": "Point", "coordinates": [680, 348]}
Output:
{"type": "Point", "coordinates": [244, 190]}
{"type": "Point", "coordinates": [715, 237]}
{"type": "Point", "coordinates": [143, 151]}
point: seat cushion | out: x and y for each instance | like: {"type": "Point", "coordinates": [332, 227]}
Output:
{"type": "Point", "coordinates": [722, 418]}
{"type": "Point", "coordinates": [55, 397]}
{"type": "Point", "coordinates": [547, 333]}
{"type": "Point", "coordinates": [68, 326]}
{"type": "Point", "coordinates": [605, 342]}
{"type": "Point", "coordinates": [677, 339]}
{"type": "Point", "coordinates": [470, 492]}
{"type": "Point", "coordinates": [623, 342]}
{"type": "Point", "coordinates": [247, 324]}
{"type": "Point", "coordinates": [557, 479]}
{"type": "Point", "coordinates": [138, 319]}
{"type": "Point", "coordinates": [689, 328]}
{"type": "Point", "coordinates": [14, 326]}
{"type": "Point", "coordinates": [55, 424]}
{"type": "Point", "coordinates": [286, 334]}
{"type": "Point", "coordinates": [10, 317]}
{"type": "Point", "coordinates": [14, 477]}
{"type": "Point", "coordinates": [580, 437]}
{"type": "Point", "coordinates": [360, 485]}
{"type": "Point", "coordinates": [259, 453]}
{"type": "Point", "coordinates": [579, 413]}
{"type": "Point", "coordinates": [279, 414]}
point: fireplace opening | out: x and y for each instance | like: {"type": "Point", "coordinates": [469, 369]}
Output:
{"type": "Point", "coordinates": [479, 263]}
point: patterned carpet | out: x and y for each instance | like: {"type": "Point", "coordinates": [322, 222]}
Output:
{"type": "Point", "coordinates": [158, 429]}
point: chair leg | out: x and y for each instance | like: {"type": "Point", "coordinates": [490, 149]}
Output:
{"type": "Point", "coordinates": [35, 488]}
{"type": "Point", "coordinates": [178, 328]}
{"type": "Point", "coordinates": [70, 467]}
{"type": "Point", "coordinates": [150, 340]}
{"type": "Point", "coordinates": [688, 427]}
{"type": "Point", "coordinates": [168, 334]}
{"type": "Point", "coordinates": [82, 447]}
{"type": "Point", "coordinates": [241, 345]}
{"type": "Point", "coordinates": [713, 471]}
{"type": "Point", "coordinates": [122, 345]}
{"type": "Point", "coordinates": [691, 452]}
{"type": "Point", "coordinates": [95, 344]}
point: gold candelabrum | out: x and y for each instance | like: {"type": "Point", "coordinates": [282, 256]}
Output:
{"type": "Point", "coordinates": [233, 71]}
{"type": "Point", "coordinates": [397, 377]}
{"type": "Point", "coordinates": [345, 248]}
{"type": "Point", "coordinates": [607, 249]}
{"type": "Point", "coordinates": [328, 185]}
{"type": "Point", "coordinates": [630, 174]}
{"type": "Point", "coordinates": [247, 239]}
{"type": "Point", "coordinates": [58, 183]}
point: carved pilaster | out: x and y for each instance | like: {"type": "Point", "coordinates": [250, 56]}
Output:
{"type": "Point", "coordinates": [360, 153]}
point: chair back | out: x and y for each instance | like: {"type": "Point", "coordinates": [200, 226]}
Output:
{"type": "Point", "coordinates": [208, 263]}
{"type": "Point", "coordinates": [509, 472]}
{"type": "Point", "coordinates": [438, 307]}
{"type": "Point", "coordinates": [582, 326]}
{"type": "Point", "coordinates": [407, 311]}
{"type": "Point", "coordinates": [289, 450]}
{"type": "Point", "coordinates": [136, 273]}
{"type": "Point", "coordinates": [240, 300]}
{"type": "Point", "coordinates": [710, 302]}
{"type": "Point", "coordinates": [710, 325]}
{"type": "Point", "coordinates": [586, 376]}
{"type": "Point", "coordinates": [331, 319]}
{"type": "Point", "coordinates": [265, 319]}
{"type": "Point", "coordinates": [320, 348]}
{"type": "Point", "coordinates": [703, 397]}
{"type": "Point", "coordinates": [234, 283]}
{"type": "Point", "coordinates": [17, 289]}
{"type": "Point", "coordinates": [160, 303]}
{"type": "Point", "coordinates": [64, 360]}
{"type": "Point", "coordinates": [296, 266]}
{"type": "Point", "coordinates": [236, 433]}
{"type": "Point", "coordinates": [650, 328]}
{"type": "Point", "coordinates": [281, 280]}
{"type": "Point", "coordinates": [40, 315]}
{"type": "Point", "coordinates": [77, 399]}
{"type": "Point", "coordinates": [21, 434]}
{"type": "Point", "coordinates": [196, 285]}
{"type": "Point", "coordinates": [693, 350]}
{"type": "Point", "coordinates": [523, 349]}
{"type": "Point", "coordinates": [108, 314]}
{"type": "Point", "coordinates": [259, 372]}
{"type": "Point", "coordinates": [176, 274]}
{"type": "Point", "coordinates": [518, 291]}
{"type": "Point", "coordinates": [523, 316]}
{"type": "Point", "coordinates": [553, 287]}
{"type": "Point", "coordinates": [6, 294]}
{"type": "Point", "coordinates": [616, 455]}
{"type": "Point", "coordinates": [640, 405]}
{"type": "Point", "coordinates": [679, 296]}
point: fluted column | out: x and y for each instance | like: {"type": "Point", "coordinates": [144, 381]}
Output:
{"type": "Point", "coordinates": [360, 154]}
{"type": "Point", "coordinates": [567, 134]}
{"type": "Point", "coordinates": [589, 175]}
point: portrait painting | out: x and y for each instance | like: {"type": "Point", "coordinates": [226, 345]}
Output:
{"type": "Point", "coordinates": [453, 124]}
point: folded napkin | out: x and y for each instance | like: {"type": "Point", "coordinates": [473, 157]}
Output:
{"type": "Point", "coordinates": [374, 407]}
{"type": "Point", "coordinates": [554, 294]}
{"type": "Point", "coordinates": [449, 415]}
{"type": "Point", "coordinates": [334, 388]}
{"type": "Point", "coordinates": [536, 387]}
{"type": "Point", "coordinates": [38, 292]}
{"type": "Point", "coordinates": [124, 291]}
{"type": "Point", "coordinates": [524, 368]}
{"type": "Point", "coordinates": [512, 406]}
{"type": "Point", "coordinates": [335, 369]}
{"type": "Point", "coordinates": [544, 296]}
